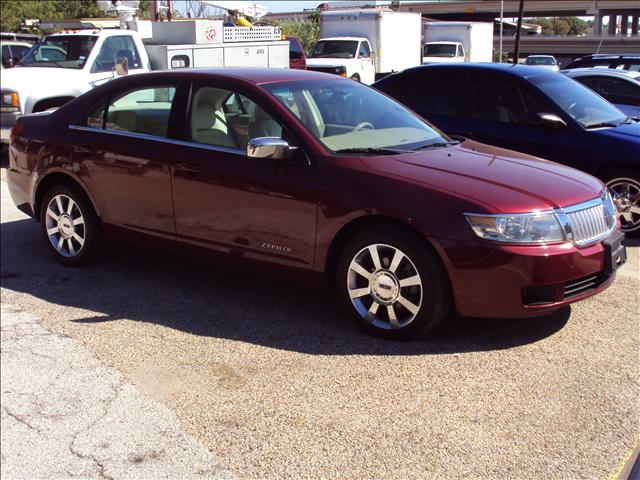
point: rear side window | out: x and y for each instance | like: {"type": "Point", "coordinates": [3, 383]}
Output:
{"type": "Point", "coordinates": [432, 93]}
{"type": "Point", "coordinates": [503, 100]}
{"type": "Point", "coordinates": [144, 111]}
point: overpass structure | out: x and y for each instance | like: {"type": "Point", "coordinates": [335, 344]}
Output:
{"type": "Point", "coordinates": [623, 15]}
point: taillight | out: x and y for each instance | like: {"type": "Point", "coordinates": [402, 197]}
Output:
{"type": "Point", "coordinates": [17, 129]}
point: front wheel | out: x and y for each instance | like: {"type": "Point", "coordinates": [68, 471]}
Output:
{"type": "Point", "coordinates": [625, 190]}
{"type": "Point", "coordinates": [394, 285]}
{"type": "Point", "coordinates": [69, 225]}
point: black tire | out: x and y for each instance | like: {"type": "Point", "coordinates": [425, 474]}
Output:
{"type": "Point", "coordinates": [355, 77]}
{"type": "Point", "coordinates": [432, 296]}
{"type": "Point", "coordinates": [630, 222]}
{"type": "Point", "coordinates": [72, 253]}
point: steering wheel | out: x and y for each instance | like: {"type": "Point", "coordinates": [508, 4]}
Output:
{"type": "Point", "coordinates": [362, 126]}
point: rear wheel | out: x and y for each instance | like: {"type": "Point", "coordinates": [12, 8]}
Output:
{"type": "Point", "coordinates": [394, 285]}
{"type": "Point", "coordinates": [625, 190]}
{"type": "Point", "coordinates": [70, 225]}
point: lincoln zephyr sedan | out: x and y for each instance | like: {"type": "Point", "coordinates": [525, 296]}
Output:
{"type": "Point", "coordinates": [316, 176]}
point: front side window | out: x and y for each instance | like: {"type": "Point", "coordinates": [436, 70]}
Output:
{"type": "Point", "coordinates": [145, 111]}
{"type": "Point", "coordinates": [582, 104]}
{"type": "Point", "coordinates": [364, 51]}
{"type": "Point", "coordinates": [6, 56]}
{"type": "Point", "coordinates": [460, 51]}
{"type": "Point", "coordinates": [223, 118]}
{"type": "Point", "coordinates": [350, 118]}
{"type": "Point", "coordinates": [503, 100]}
{"type": "Point", "coordinates": [335, 49]}
{"type": "Point", "coordinates": [112, 49]}
{"type": "Point", "coordinates": [64, 51]}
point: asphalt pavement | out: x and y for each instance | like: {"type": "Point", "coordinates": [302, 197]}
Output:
{"type": "Point", "coordinates": [274, 381]}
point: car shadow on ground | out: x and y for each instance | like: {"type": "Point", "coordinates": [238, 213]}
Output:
{"type": "Point", "coordinates": [209, 300]}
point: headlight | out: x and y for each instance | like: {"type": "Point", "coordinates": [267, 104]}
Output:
{"type": "Point", "coordinates": [542, 227]}
{"type": "Point", "coordinates": [10, 102]}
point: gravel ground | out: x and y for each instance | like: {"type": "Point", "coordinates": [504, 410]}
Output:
{"type": "Point", "coordinates": [270, 376]}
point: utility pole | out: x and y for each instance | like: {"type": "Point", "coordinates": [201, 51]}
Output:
{"type": "Point", "coordinates": [520, 13]}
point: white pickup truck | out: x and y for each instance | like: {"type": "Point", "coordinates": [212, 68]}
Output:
{"type": "Point", "coordinates": [66, 65]}
{"type": "Point", "coordinates": [366, 44]}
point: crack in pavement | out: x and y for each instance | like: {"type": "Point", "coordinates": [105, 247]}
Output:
{"type": "Point", "coordinates": [87, 420]}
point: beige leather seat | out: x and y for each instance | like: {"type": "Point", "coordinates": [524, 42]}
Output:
{"type": "Point", "coordinates": [207, 121]}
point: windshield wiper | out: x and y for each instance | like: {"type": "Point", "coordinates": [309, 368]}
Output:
{"type": "Point", "coordinates": [438, 144]}
{"type": "Point", "coordinates": [372, 151]}
{"type": "Point", "coordinates": [601, 125]}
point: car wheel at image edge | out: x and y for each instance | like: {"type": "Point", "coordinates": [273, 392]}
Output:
{"type": "Point", "coordinates": [625, 190]}
{"type": "Point", "coordinates": [394, 285]}
{"type": "Point", "coordinates": [70, 225]}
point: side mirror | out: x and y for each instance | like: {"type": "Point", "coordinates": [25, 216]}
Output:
{"type": "Point", "coordinates": [550, 121]}
{"type": "Point", "coordinates": [268, 147]}
{"type": "Point", "coordinates": [122, 66]}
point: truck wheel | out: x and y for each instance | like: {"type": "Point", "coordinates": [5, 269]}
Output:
{"type": "Point", "coordinates": [355, 77]}
{"type": "Point", "coordinates": [70, 225]}
{"type": "Point", "coordinates": [395, 286]}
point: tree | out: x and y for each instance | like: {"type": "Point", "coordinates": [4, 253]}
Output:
{"type": "Point", "coordinates": [560, 25]}
{"type": "Point", "coordinates": [306, 30]}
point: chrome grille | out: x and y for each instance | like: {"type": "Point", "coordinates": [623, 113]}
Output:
{"type": "Point", "coordinates": [591, 221]}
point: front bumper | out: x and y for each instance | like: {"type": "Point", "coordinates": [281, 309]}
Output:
{"type": "Point", "coordinates": [511, 281]}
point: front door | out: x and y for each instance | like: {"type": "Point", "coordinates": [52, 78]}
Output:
{"type": "Point", "coordinates": [367, 66]}
{"type": "Point", "coordinates": [239, 207]}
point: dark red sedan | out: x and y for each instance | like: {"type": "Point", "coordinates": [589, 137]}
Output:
{"type": "Point", "coordinates": [316, 176]}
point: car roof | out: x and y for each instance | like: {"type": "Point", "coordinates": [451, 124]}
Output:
{"type": "Point", "coordinates": [342, 38]}
{"type": "Point", "coordinates": [543, 56]}
{"type": "Point", "coordinates": [524, 71]}
{"type": "Point", "coordinates": [257, 75]}
{"type": "Point", "coordinates": [608, 72]}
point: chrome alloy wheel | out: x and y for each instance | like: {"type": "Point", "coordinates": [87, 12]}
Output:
{"type": "Point", "coordinates": [626, 196]}
{"type": "Point", "coordinates": [384, 286]}
{"type": "Point", "coordinates": [65, 226]}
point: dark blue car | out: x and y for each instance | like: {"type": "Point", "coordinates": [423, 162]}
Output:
{"type": "Point", "coordinates": [531, 110]}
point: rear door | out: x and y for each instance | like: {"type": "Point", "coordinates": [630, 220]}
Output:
{"type": "Point", "coordinates": [126, 152]}
{"type": "Point", "coordinates": [237, 207]}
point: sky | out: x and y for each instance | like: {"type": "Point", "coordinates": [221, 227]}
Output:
{"type": "Point", "coordinates": [289, 6]}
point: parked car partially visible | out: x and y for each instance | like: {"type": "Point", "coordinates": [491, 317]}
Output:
{"type": "Point", "coordinates": [620, 87]}
{"type": "Point", "coordinates": [320, 177]}
{"type": "Point", "coordinates": [13, 51]}
{"type": "Point", "coordinates": [622, 62]}
{"type": "Point", "coordinates": [544, 61]}
{"type": "Point", "coordinates": [297, 58]}
{"type": "Point", "coordinates": [530, 110]}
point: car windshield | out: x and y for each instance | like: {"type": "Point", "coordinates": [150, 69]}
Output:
{"type": "Point", "coordinates": [68, 51]}
{"type": "Point", "coordinates": [540, 61]}
{"type": "Point", "coordinates": [334, 49]}
{"type": "Point", "coordinates": [584, 106]}
{"type": "Point", "coordinates": [349, 117]}
{"type": "Point", "coordinates": [439, 50]}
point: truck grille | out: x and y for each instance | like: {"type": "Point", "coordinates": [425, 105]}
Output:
{"type": "Point", "coordinates": [591, 221]}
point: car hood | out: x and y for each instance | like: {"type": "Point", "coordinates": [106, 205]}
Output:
{"type": "Point", "coordinates": [500, 180]}
{"type": "Point", "coordinates": [18, 77]}
{"type": "Point", "coordinates": [625, 131]}
{"type": "Point", "coordinates": [326, 62]}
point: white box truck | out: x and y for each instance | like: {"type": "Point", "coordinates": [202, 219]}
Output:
{"type": "Point", "coordinates": [367, 44]}
{"type": "Point", "coordinates": [457, 42]}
